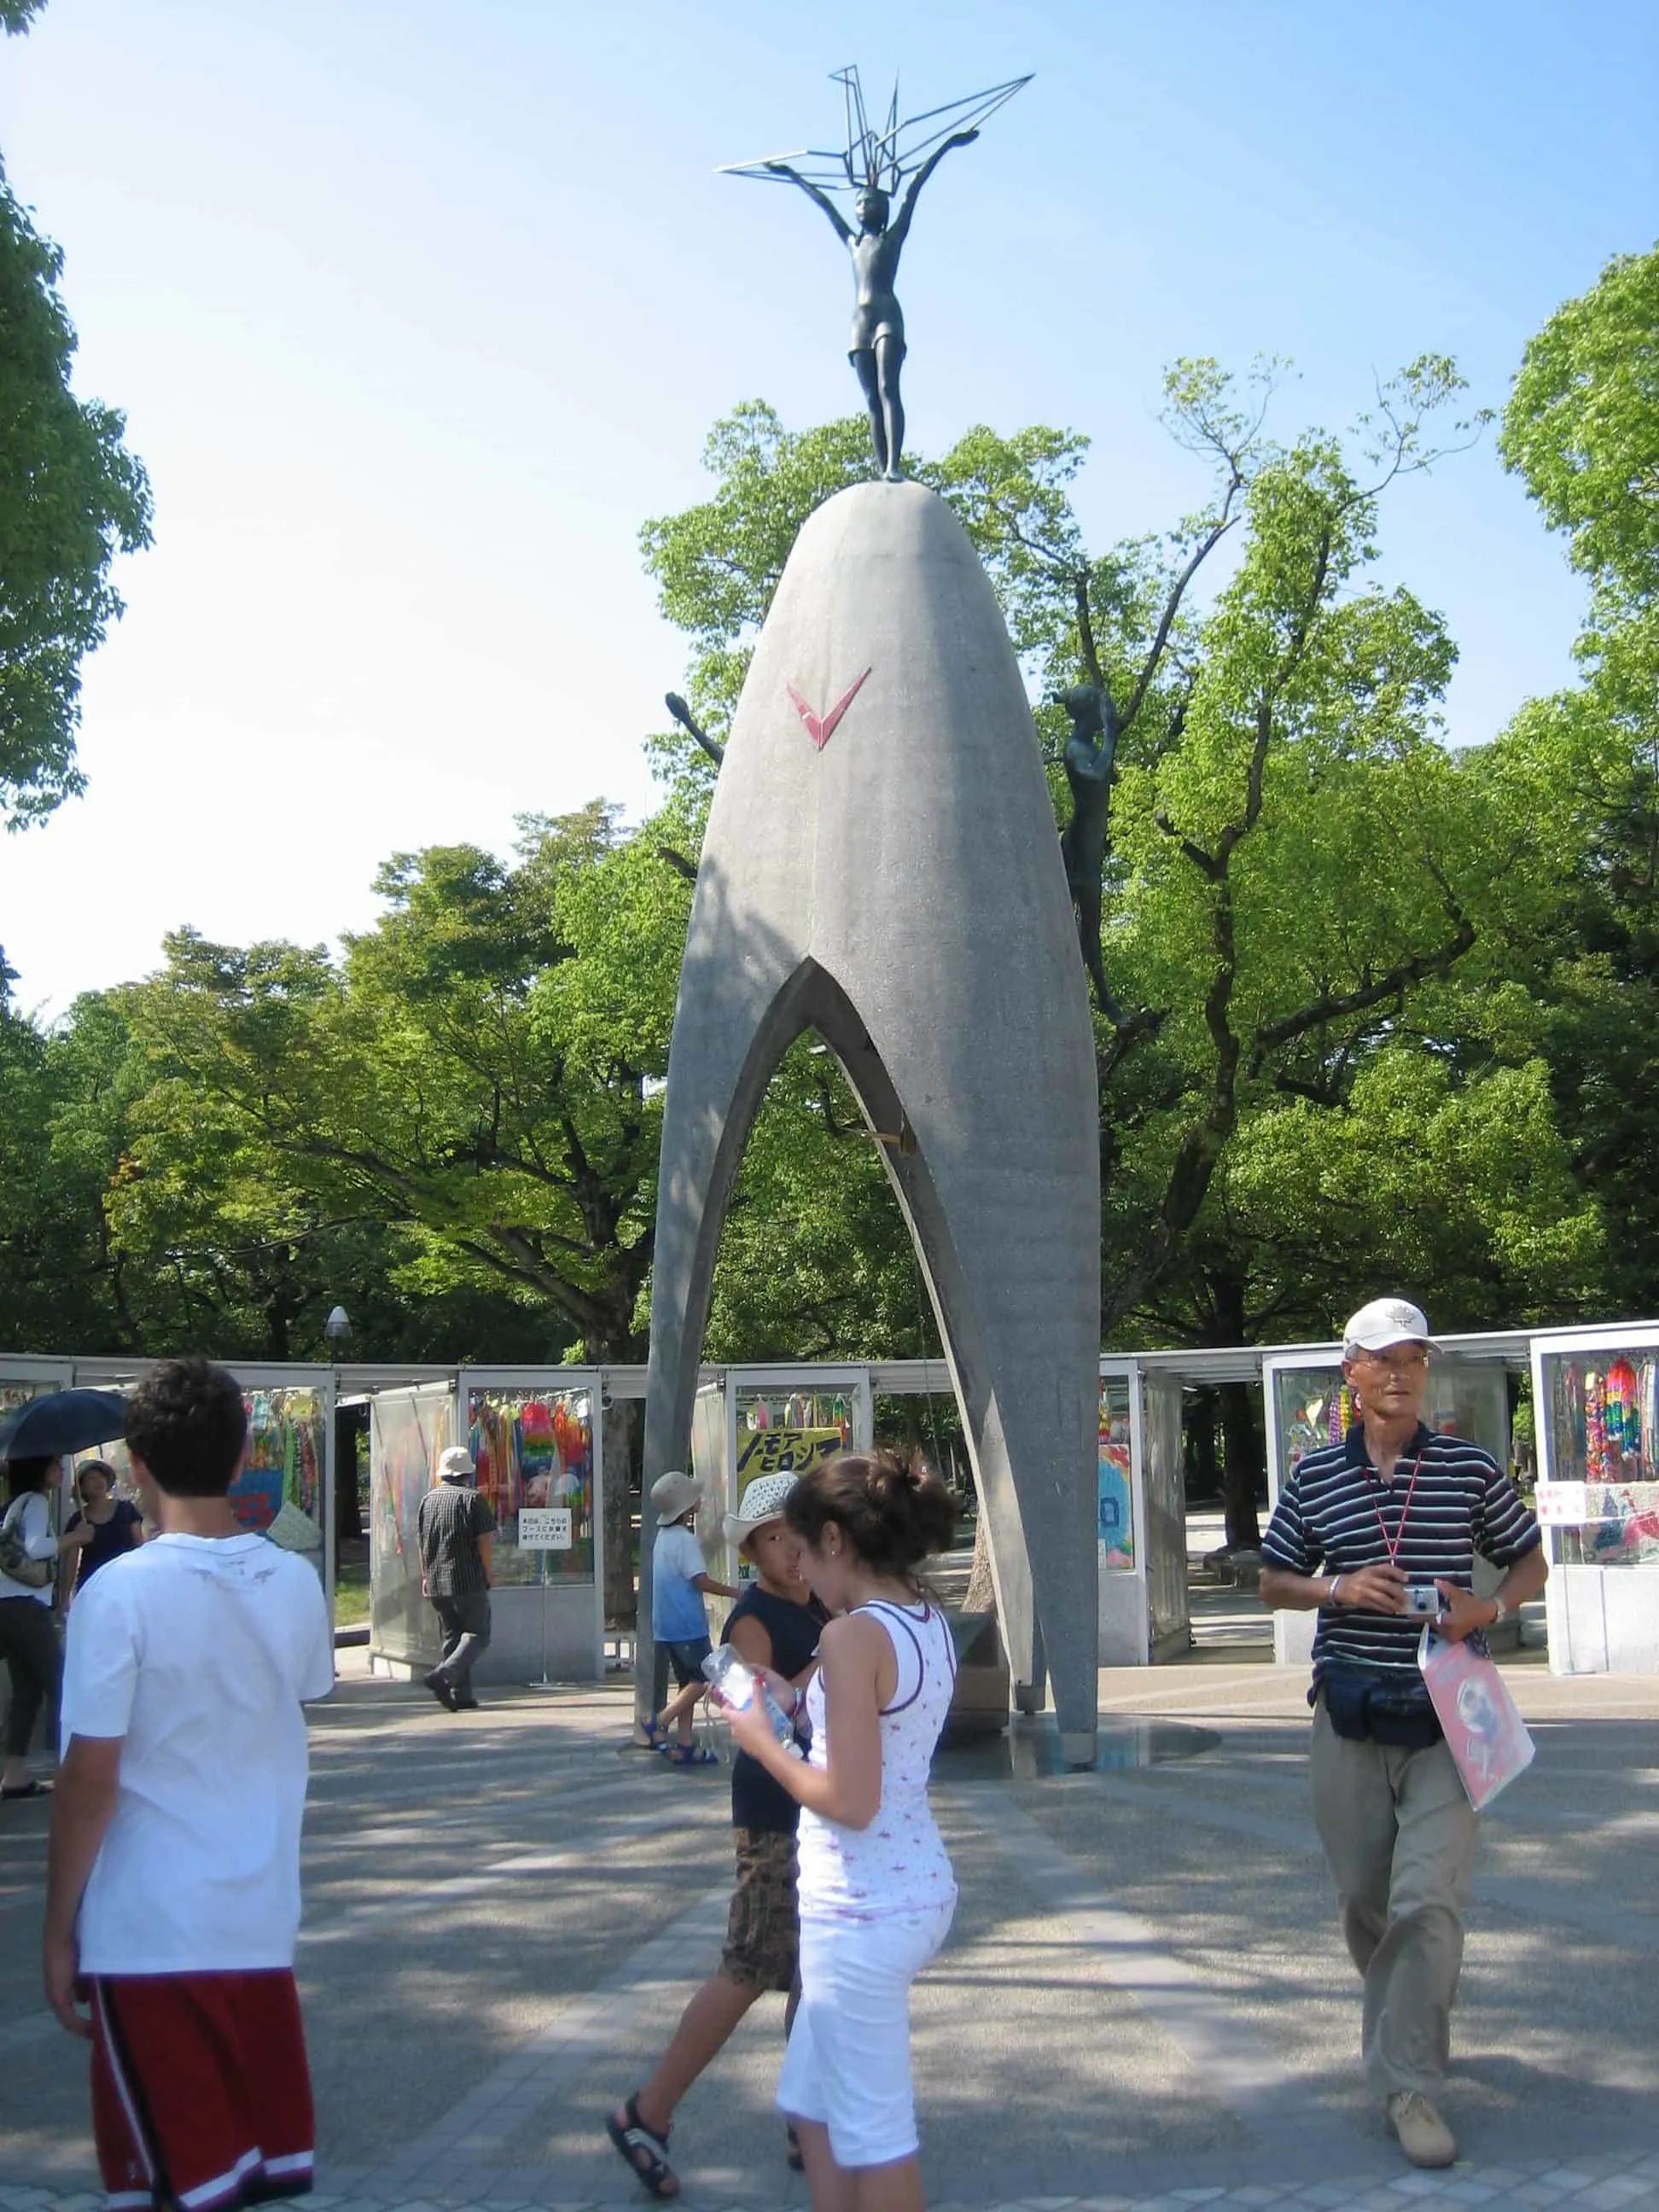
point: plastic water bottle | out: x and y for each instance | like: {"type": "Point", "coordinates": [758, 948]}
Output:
{"type": "Point", "coordinates": [737, 1682]}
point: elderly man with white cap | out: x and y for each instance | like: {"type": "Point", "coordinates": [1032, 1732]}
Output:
{"type": "Point", "coordinates": [456, 1528]}
{"type": "Point", "coordinates": [1379, 1533]}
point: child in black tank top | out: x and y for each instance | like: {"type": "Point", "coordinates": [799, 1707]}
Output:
{"type": "Point", "coordinates": [775, 1624]}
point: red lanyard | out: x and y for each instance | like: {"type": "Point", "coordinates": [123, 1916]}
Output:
{"type": "Point", "coordinates": [1393, 1543]}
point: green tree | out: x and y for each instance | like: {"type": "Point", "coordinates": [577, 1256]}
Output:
{"type": "Point", "coordinates": [71, 496]}
{"type": "Point", "coordinates": [1578, 773]}
{"type": "Point", "coordinates": [1580, 427]}
{"type": "Point", "coordinates": [477, 1075]}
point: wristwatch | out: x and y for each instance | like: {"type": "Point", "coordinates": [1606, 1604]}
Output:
{"type": "Point", "coordinates": [1502, 1613]}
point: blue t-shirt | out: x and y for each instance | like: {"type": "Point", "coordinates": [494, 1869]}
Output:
{"type": "Point", "coordinates": [677, 1609]}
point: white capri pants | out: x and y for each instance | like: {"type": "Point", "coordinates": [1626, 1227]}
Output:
{"type": "Point", "coordinates": [847, 2063]}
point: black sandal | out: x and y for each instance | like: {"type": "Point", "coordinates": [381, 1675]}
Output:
{"type": "Point", "coordinates": [646, 2152]}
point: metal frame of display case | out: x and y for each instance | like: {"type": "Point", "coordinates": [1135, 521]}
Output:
{"type": "Point", "coordinates": [1602, 1616]}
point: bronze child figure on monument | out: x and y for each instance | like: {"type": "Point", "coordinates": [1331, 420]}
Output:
{"type": "Point", "coordinates": [876, 348]}
{"type": "Point", "coordinates": [873, 165]}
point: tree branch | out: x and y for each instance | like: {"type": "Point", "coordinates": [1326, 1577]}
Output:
{"type": "Point", "coordinates": [1223, 523]}
{"type": "Point", "coordinates": [1335, 1006]}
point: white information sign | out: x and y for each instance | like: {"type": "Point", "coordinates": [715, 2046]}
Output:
{"type": "Point", "coordinates": [545, 1528]}
{"type": "Point", "coordinates": [1563, 1504]}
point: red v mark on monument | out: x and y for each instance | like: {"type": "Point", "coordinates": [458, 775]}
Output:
{"type": "Point", "coordinates": [821, 732]}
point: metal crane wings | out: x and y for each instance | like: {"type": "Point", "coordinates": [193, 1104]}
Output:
{"type": "Point", "coordinates": [882, 157]}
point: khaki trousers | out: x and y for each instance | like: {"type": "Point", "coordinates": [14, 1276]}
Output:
{"type": "Point", "coordinates": [1400, 1837]}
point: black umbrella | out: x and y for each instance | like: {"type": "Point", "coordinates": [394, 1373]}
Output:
{"type": "Point", "coordinates": [63, 1421]}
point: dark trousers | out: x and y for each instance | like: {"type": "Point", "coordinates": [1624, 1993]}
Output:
{"type": "Point", "coordinates": [29, 1644]}
{"type": "Point", "coordinates": [465, 1624]}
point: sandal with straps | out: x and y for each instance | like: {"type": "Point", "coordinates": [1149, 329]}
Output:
{"type": "Point", "coordinates": [646, 2152]}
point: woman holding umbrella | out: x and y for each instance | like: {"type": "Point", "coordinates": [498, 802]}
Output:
{"type": "Point", "coordinates": [29, 1637]}
{"type": "Point", "coordinates": [33, 1438]}
{"type": "Point", "coordinates": [100, 1530]}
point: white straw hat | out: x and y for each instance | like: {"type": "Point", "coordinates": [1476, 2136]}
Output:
{"type": "Point", "coordinates": [763, 1501]}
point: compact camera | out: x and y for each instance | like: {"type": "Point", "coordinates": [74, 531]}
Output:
{"type": "Point", "coordinates": [1423, 1598]}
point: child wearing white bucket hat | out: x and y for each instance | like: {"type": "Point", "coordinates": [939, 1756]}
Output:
{"type": "Point", "coordinates": [679, 1619]}
{"type": "Point", "coordinates": [775, 1624]}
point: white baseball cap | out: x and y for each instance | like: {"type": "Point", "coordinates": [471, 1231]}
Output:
{"type": "Point", "coordinates": [1385, 1322]}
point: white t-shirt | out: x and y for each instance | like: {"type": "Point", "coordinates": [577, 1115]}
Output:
{"type": "Point", "coordinates": [678, 1612]}
{"type": "Point", "coordinates": [197, 1651]}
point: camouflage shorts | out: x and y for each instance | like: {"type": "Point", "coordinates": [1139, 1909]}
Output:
{"type": "Point", "coordinates": [763, 1935]}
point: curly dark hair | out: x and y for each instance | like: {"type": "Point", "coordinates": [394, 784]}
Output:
{"type": "Point", "coordinates": [893, 1514]}
{"type": "Point", "coordinates": [187, 1423]}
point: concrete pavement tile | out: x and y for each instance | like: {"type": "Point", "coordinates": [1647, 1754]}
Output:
{"type": "Point", "coordinates": [1566, 2178]}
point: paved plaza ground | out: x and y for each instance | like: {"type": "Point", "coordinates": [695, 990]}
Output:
{"type": "Point", "coordinates": [1144, 2002]}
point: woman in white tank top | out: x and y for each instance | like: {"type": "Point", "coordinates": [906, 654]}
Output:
{"type": "Point", "coordinates": [876, 1889]}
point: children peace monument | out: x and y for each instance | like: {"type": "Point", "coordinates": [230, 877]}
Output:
{"type": "Point", "coordinates": [881, 868]}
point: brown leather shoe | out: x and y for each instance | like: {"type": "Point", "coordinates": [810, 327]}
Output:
{"type": "Point", "coordinates": [1423, 2136]}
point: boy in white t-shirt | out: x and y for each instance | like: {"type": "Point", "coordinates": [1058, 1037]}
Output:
{"type": "Point", "coordinates": [172, 1897]}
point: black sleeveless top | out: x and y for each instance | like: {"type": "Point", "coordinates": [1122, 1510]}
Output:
{"type": "Point", "coordinates": [758, 1801]}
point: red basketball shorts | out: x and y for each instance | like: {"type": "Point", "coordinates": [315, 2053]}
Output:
{"type": "Point", "coordinates": [201, 2096]}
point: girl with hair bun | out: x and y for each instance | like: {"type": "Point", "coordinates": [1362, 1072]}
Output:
{"type": "Point", "coordinates": [875, 1886]}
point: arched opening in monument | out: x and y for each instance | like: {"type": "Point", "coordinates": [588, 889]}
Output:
{"type": "Point", "coordinates": [813, 1007]}
{"type": "Point", "coordinates": [815, 1263]}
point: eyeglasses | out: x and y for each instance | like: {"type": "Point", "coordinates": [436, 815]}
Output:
{"type": "Point", "coordinates": [1403, 1362]}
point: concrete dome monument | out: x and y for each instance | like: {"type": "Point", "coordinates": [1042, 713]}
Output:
{"type": "Point", "coordinates": [881, 866]}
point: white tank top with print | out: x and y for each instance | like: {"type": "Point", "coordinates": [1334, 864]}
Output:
{"type": "Point", "coordinates": [898, 1863]}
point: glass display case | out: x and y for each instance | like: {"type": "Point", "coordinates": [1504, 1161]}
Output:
{"type": "Point", "coordinates": [1140, 1516]}
{"type": "Point", "coordinates": [408, 1429]}
{"type": "Point", "coordinates": [280, 1491]}
{"type": "Point", "coordinates": [1114, 1518]}
{"type": "Point", "coordinates": [1599, 1488]}
{"type": "Point", "coordinates": [533, 1450]}
{"type": "Point", "coordinates": [769, 1420]}
{"type": "Point", "coordinates": [1596, 1393]}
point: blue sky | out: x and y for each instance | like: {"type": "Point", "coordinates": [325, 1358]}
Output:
{"type": "Point", "coordinates": [417, 311]}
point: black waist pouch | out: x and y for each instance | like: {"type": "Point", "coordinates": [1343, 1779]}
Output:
{"type": "Point", "coordinates": [1383, 1708]}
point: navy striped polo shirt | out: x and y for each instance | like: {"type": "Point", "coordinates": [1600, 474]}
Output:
{"type": "Point", "coordinates": [1327, 1522]}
